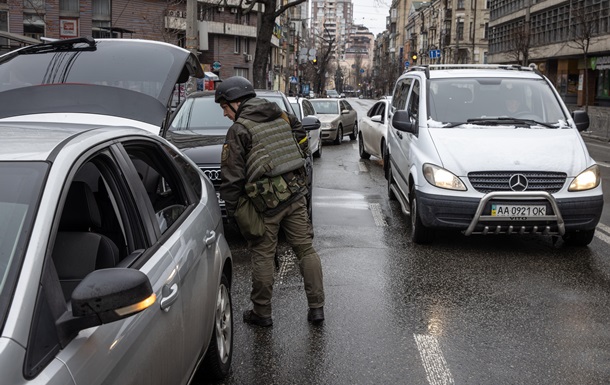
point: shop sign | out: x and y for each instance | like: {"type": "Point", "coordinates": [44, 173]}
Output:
{"type": "Point", "coordinates": [68, 28]}
{"type": "Point", "coordinates": [600, 63]}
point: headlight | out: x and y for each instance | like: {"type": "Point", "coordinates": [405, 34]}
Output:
{"type": "Point", "coordinates": [442, 178]}
{"type": "Point", "coordinates": [586, 180]}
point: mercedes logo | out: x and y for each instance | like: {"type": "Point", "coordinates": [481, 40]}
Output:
{"type": "Point", "coordinates": [518, 182]}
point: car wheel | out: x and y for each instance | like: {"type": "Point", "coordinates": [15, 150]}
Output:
{"type": "Point", "coordinates": [391, 194]}
{"type": "Point", "coordinates": [339, 137]}
{"type": "Point", "coordinates": [318, 152]}
{"type": "Point", "coordinates": [580, 238]}
{"type": "Point", "coordinates": [354, 133]}
{"type": "Point", "coordinates": [386, 162]}
{"type": "Point", "coordinates": [420, 234]}
{"type": "Point", "coordinates": [363, 153]}
{"type": "Point", "coordinates": [217, 361]}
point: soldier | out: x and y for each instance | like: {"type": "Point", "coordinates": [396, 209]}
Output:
{"type": "Point", "coordinates": [262, 166]}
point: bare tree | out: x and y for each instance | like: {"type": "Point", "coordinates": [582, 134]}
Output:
{"type": "Point", "coordinates": [583, 33]}
{"type": "Point", "coordinates": [325, 44]}
{"type": "Point", "coordinates": [270, 11]}
{"type": "Point", "coordinates": [520, 44]}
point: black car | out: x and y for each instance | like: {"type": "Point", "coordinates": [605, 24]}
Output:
{"type": "Point", "coordinates": [198, 127]}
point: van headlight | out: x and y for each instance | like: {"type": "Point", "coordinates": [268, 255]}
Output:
{"type": "Point", "coordinates": [442, 178]}
{"type": "Point", "coordinates": [586, 180]}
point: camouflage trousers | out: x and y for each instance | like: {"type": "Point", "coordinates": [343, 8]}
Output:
{"type": "Point", "coordinates": [294, 221]}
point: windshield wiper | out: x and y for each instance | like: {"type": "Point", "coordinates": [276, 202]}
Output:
{"type": "Point", "coordinates": [502, 120]}
{"type": "Point", "coordinates": [60, 45]}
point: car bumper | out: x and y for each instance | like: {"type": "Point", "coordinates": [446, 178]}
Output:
{"type": "Point", "coordinates": [471, 215]}
{"type": "Point", "coordinates": [328, 134]}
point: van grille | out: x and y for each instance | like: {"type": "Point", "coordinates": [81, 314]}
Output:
{"type": "Point", "coordinates": [488, 181]}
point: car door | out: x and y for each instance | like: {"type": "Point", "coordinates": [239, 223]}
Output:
{"type": "Point", "coordinates": [314, 135]}
{"type": "Point", "coordinates": [147, 348]}
{"type": "Point", "coordinates": [369, 129]}
{"type": "Point", "coordinates": [399, 141]}
{"type": "Point", "coordinates": [351, 117]}
{"type": "Point", "coordinates": [189, 231]}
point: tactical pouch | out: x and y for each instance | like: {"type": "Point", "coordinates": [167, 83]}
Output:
{"type": "Point", "coordinates": [268, 193]}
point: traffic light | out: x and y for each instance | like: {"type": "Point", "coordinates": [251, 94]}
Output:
{"type": "Point", "coordinates": [414, 58]}
{"type": "Point", "coordinates": [315, 61]}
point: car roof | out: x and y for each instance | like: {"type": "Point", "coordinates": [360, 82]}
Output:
{"type": "Point", "coordinates": [128, 78]}
{"type": "Point", "coordinates": [35, 141]}
{"type": "Point", "coordinates": [445, 71]}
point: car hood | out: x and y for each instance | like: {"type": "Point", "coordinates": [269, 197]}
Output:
{"type": "Point", "coordinates": [125, 78]}
{"type": "Point", "coordinates": [201, 149]}
{"type": "Point", "coordinates": [327, 118]}
{"type": "Point", "coordinates": [498, 149]}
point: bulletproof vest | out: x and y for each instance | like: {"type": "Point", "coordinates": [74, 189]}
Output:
{"type": "Point", "coordinates": [274, 149]}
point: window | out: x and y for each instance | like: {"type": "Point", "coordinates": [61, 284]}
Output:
{"type": "Point", "coordinates": [241, 72]}
{"type": "Point", "coordinates": [3, 27]}
{"type": "Point", "coordinates": [401, 91]}
{"type": "Point", "coordinates": [413, 108]}
{"type": "Point", "coordinates": [459, 30]}
{"type": "Point", "coordinates": [69, 6]}
{"type": "Point", "coordinates": [246, 45]}
{"type": "Point", "coordinates": [237, 42]}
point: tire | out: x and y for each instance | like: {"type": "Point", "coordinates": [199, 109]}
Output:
{"type": "Point", "coordinates": [579, 238]}
{"type": "Point", "coordinates": [420, 234]}
{"type": "Point", "coordinates": [386, 162]}
{"type": "Point", "coordinates": [339, 137]}
{"type": "Point", "coordinates": [361, 150]}
{"type": "Point", "coordinates": [318, 152]}
{"type": "Point", "coordinates": [354, 133]}
{"type": "Point", "coordinates": [391, 195]}
{"type": "Point", "coordinates": [217, 360]}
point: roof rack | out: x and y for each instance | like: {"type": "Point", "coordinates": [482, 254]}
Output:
{"type": "Point", "coordinates": [514, 67]}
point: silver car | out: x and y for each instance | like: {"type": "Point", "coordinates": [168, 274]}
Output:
{"type": "Point", "coordinates": [302, 108]}
{"type": "Point", "coordinates": [338, 118]}
{"type": "Point", "coordinates": [113, 264]}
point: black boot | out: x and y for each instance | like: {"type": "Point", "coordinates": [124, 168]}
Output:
{"type": "Point", "coordinates": [250, 317]}
{"type": "Point", "coordinates": [315, 315]}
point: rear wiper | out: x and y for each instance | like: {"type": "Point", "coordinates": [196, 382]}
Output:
{"type": "Point", "coordinates": [501, 120]}
{"type": "Point", "coordinates": [60, 45]}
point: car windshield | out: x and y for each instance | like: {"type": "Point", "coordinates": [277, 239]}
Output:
{"type": "Point", "coordinates": [20, 186]}
{"type": "Point", "coordinates": [493, 101]}
{"type": "Point", "coordinates": [325, 107]}
{"type": "Point", "coordinates": [200, 114]}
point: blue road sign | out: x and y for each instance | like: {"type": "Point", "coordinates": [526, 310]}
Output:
{"type": "Point", "coordinates": [435, 53]}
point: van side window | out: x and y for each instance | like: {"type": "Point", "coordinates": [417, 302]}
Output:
{"type": "Point", "coordinates": [399, 99]}
{"type": "Point", "coordinates": [413, 104]}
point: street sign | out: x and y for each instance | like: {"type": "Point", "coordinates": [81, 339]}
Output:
{"type": "Point", "coordinates": [435, 53]}
{"type": "Point", "coordinates": [361, 70]}
{"type": "Point", "coordinates": [216, 65]}
{"type": "Point", "coordinates": [294, 80]}
{"type": "Point", "coordinates": [406, 64]}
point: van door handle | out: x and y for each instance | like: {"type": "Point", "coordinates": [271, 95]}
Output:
{"type": "Point", "coordinates": [210, 238]}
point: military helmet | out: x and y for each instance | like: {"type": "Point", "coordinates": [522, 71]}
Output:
{"type": "Point", "coordinates": [234, 88]}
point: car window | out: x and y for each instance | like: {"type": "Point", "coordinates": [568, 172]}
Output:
{"type": "Point", "coordinates": [308, 108]}
{"type": "Point", "coordinates": [199, 114]}
{"type": "Point", "coordinates": [326, 107]}
{"type": "Point", "coordinates": [413, 101]}
{"type": "Point", "coordinates": [297, 109]}
{"type": "Point", "coordinates": [401, 91]}
{"type": "Point", "coordinates": [20, 189]}
{"type": "Point", "coordinates": [373, 110]}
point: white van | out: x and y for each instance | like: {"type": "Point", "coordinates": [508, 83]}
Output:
{"type": "Point", "coordinates": [490, 149]}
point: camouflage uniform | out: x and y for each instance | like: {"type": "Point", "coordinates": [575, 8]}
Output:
{"type": "Point", "coordinates": [281, 199]}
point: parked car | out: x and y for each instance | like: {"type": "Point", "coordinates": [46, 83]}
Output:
{"type": "Point", "coordinates": [332, 94]}
{"type": "Point", "coordinates": [372, 138]}
{"type": "Point", "coordinates": [338, 118]}
{"type": "Point", "coordinates": [114, 265]}
{"type": "Point", "coordinates": [198, 128]}
{"type": "Point", "coordinates": [462, 157]}
{"type": "Point", "coordinates": [119, 82]}
{"type": "Point", "coordinates": [302, 108]}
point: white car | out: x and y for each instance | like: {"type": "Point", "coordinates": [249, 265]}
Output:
{"type": "Point", "coordinates": [338, 119]}
{"type": "Point", "coordinates": [302, 108]}
{"type": "Point", "coordinates": [490, 149]}
{"type": "Point", "coordinates": [372, 137]}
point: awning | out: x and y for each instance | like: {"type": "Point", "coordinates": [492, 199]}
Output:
{"type": "Point", "coordinates": [19, 38]}
{"type": "Point", "coordinates": [212, 76]}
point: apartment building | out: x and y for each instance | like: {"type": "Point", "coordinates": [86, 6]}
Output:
{"type": "Point", "coordinates": [553, 34]}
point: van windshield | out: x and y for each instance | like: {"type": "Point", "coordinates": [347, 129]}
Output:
{"type": "Point", "coordinates": [492, 101]}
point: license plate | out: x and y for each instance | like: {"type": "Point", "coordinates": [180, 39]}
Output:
{"type": "Point", "coordinates": [517, 211]}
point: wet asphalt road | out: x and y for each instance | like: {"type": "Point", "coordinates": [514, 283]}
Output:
{"type": "Point", "coordinates": [464, 310]}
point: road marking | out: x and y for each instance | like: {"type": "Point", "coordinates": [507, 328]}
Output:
{"type": "Point", "coordinates": [603, 164]}
{"type": "Point", "coordinates": [377, 214]}
{"type": "Point", "coordinates": [363, 167]}
{"type": "Point", "coordinates": [437, 371]}
{"type": "Point", "coordinates": [604, 237]}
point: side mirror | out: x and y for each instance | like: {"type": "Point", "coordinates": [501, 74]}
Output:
{"type": "Point", "coordinates": [343, 112]}
{"type": "Point", "coordinates": [402, 122]}
{"type": "Point", "coordinates": [581, 119]}
{"type": "Point", "coordinates": [310, 123]}
{"type": "Point", "coordinates": [377, 119]}
{"type": "Point", "coordinates": [105, 296]}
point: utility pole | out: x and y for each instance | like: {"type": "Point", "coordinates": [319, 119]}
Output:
{"type": "Point", "coordinates": [192, 38]}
